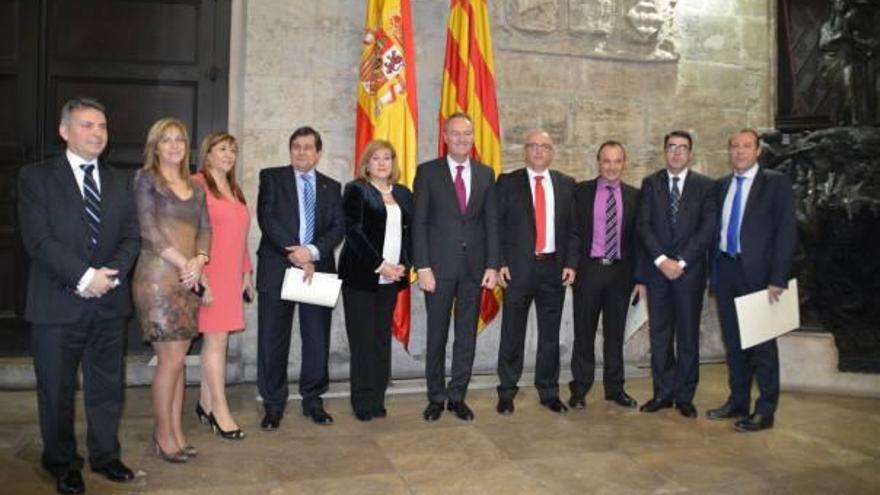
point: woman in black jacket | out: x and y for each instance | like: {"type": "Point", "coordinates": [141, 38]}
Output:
{"type": "Point", "coordinates": [374, 266]}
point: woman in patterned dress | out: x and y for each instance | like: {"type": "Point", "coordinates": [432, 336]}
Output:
{"type": "Point", "coordinates": [176, 237]}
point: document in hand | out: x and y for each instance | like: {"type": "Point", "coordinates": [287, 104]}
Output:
{"type": "Point", "coordinates": [636, 316]}
{"type": "Point", "coordinates": [322, 291]}
{"type": "Point", "coordinates": [760, 321]}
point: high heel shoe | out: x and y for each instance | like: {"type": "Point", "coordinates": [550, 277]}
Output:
{"type": "Point", "coordinates": [178, 457]}
{"type": "Point", "coordinates": [202, 415]}
{"type": "Point", "coordinates": [228, 435]}
{"type": "Point", "coordinates": [190, 451]}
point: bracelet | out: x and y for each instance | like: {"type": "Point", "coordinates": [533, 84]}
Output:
{"type": "Point", "coordinates": [202, 253]}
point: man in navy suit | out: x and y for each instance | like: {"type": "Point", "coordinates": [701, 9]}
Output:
{"type": "Point", "coordinates": [455, 245]}
{"type": "Point", "coordinates": [300, 214]}
{"type": "Point", "coordinates": [754, 249]}
{"type": "Point", "coordinates": [79, 227]}
{"type": "Point", "coordinates": [676, 226]}
{"type": "Point", "coordinates": [534, 204]}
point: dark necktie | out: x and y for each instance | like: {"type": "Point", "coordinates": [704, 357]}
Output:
{"type": "Point", "coordinates": [674, 200]}
{"type": "Point", "coordinates": [734, 221]}
{"type": "Point", "coordinates": [92, 202]}
{"type": "Point", "coordinates": [611, 225]}
{"type": "Point", "coordinates": [540, 215]}
{"type": "Point", "coordinates": [460, 190]}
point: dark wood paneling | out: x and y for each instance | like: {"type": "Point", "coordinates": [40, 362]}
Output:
{"type": "Point", "coordinates": [9, 42]}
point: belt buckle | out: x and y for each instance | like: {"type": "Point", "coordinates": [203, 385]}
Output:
{"type": "Point", "coordinates": [606, 262]}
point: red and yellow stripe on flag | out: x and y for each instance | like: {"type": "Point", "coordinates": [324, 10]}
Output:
{"type": "Point", "coordinates": [388, 105]}
{"type": "Point", "coordinates": [469, 86]}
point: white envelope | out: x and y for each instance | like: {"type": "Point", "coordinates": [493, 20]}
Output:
{"type": "Point", "coordinates": [636, 316]}
{"type": "Point", "coordinates": [760, 321]}
{"type": "Point", "coordinates": [322, 291]}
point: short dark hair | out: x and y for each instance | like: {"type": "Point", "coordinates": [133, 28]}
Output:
{"type": "Point", "coordinates": [681, 134]}
{"type": "Point", "coordinates": [305, 131]}
{"type": "Point", "coordinates": [747, 130]}
{"type": "Point", "coordinates": [79, 103]}
{"type": "Point", "coordinates": [609, 144]}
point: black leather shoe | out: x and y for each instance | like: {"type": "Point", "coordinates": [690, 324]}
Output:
{"type": "Point", "coordinates": [114, 470]}
{"type": "Point", "coordinates": [70, 482]}
{"type": "Point", "coordinates": [686, 409]}
{"type": "Point", "coordinates": [727, 411]}
{"type": "Point", "coordinates": [755, 422]}
{"type": "Point", "coordinates": [380, 412]}
{"type": "Point", "coordinates": [554, 405]}
{"type": "Point", "coordinates": [622, 399]}
{"type": "Point", "coordinates": [461, 410]}
{"type": "Point", "coordinates": [318, 415]}
{"type": "Point", "coordinates": [433, 411]}
{"type": "Point", "coordinates": [577, 402]}
{"type": "Point", "coordinates": [270, 422]}
{"type": "Point", "coordinates": [505, 406]}
{"type": "Point", "coordinates": [655, 405]}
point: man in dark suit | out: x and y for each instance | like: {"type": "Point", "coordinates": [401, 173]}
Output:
{"type": "Point", "coordinates": [300, 214]}
{"type": "Point", "coordinates": [754, 249]}
{"type": "Point", "coordinates": [79, 227]}
{"type": "Point", "coordinates": [534, 205]}
{"type": "Point", "coordinates": [675, 225]}
{"type": "Point", "coordinates": [602, 252]}
{"type": "Point", "coordinates": [455, 245]}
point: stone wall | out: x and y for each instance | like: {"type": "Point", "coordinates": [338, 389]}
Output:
{"type": "Point", "coordinates": [585, 70]}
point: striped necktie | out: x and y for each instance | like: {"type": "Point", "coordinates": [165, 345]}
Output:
{"type": "Point", "coordinates": [674, 200]}
{"type": "Point", "coordinates": [309, 209]}
{"type": "Point", "coordinates": [92, 202]}
{"type": "Point", "coordinates": [611, 225]}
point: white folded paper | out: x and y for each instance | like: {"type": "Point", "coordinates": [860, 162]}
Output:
{"type": "Point", "coordinates": [636, 316]}
{"type": "Point", "coordinates": [322, 291]}
{"type": "Point", "coordinates": [760, 321]}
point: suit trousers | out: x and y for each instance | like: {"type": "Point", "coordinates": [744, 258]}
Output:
{"type": "Point", "coordinates": [97, 345]}
{"type": "Point", "coordinates": [606, 290]}
{"type": "Point", "coordinates": [544, 287]}
{"type": "Point", "coordinates": [463, 291]}
{"type": "Point", "coordinates": [275, 317]}
{"type": "Point", "coordinates": [368, 319]}
{"type": "Point", "coordinates": [675, 307]}
{"type": "Point", "coordinates": [760, 361]}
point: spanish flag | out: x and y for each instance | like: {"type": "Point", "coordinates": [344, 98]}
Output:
{"type": "Point", "coordinates": [387, 104]}
{"type": "Point", "coordinates": [469, 86]}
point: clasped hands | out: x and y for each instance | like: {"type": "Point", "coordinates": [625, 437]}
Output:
{"type": "Point", "coordinates": [102, 282]}
{"type": "Point", "coordinates": [428, 283]}
{"type": "Point", "coordinates": [301, 257]}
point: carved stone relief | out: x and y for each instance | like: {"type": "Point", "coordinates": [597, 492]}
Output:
{"type": "Point", "coordinates": [537, 15]}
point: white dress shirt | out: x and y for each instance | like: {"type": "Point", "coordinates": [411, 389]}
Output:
{"type": "Point", "coordinates": [549, 207]}
{"type": "Point", "coordinates": [393, 238]}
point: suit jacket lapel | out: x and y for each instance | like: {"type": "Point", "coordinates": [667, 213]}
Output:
{"type": "Point", "coordinates": [66, 184]}
{"type": "Point", "coordinates": [525, 190]}
{"type": "Point", "coordinates": [446, 178]}
{"type": "Point", "coordinates": [754, 195]}
{"type": "Point", "coordinates": [288, 188]}
{"type": "Point", "coordinates": [477, 189]}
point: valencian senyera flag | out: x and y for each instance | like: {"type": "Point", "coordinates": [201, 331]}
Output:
{"type": "Point", "coordinates": [387, 106]}
{"type": "Point", "coordinates": [469, 86]}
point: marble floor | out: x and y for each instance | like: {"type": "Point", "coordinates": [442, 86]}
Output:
{"type": "Point", "coordinates": [821, 445]}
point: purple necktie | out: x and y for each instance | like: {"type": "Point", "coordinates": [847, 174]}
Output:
{"type": "Point", "coordinates": [460, 191]}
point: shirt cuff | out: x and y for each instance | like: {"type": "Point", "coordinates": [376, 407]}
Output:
{"type": "Point", "coordinates": [659, 260]}
{"type": "Point", "coordinates": [379, 268]}
{"type": "Point", "coordinates": [85, 280]}
{"type": "Point", "coordinates": [426, 269]}
{"type": "Point", "coordinates": [682, 264]}
{"type": "Point", "coordinates": [316, 255]}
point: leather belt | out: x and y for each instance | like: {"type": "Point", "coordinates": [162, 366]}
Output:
{"type": "Point", "coordinates": [735, 257]}
{"type": "Point", "coordinates": [545, 256]}
{"type": "Point", "coordinates": [605, 261]}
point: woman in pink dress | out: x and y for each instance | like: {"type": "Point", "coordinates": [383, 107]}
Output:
{"type": "Point", "coordinates": [229, 277]}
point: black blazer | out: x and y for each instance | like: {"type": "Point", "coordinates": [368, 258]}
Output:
{"type": "Point", "coordinates": [441, 231]}
{"type": "Point", "coordinates": [768, 232]}
{"type": "Point", "coordinates": [516, 212]}
{"type": "Point", "coordinates": [694, 231]}
{"type": "Point", "coordinates": [365, 217]}
{"type": "Point", "coordinates": [278, 216]}
{"type": "Point", "coordinates": [581, 224]}
{"type": "Point", "coordinates": [54, 231]}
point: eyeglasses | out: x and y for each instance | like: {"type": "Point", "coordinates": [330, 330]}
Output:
{"type": "Point", "coordinates": [539, 146]}
{"type": "Point", "coordinates": [672, 148]}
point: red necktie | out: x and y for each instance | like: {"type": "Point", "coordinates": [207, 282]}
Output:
{"type": "Point", "coordinates": [540, 216]}
{"type": "Point", "coordinates": [460, 191]}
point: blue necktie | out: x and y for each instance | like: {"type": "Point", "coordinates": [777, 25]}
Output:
{"type": "Point", "coordinates": [309, 209]}
{"type": "Point", "coordinates": [734, 221]}
{"type": "Point", "coordinates": [92, 203]}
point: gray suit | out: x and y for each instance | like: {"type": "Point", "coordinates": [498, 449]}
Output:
{"type": "Point", "coordinates": [458, 248]}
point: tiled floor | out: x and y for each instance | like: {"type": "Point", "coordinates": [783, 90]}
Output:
{"type": "Point", "coordinates": [821, 445]}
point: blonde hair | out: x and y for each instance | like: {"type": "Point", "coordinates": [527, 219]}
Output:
{"type": "Point", "coordinates": [369, 150]}
{"type": "Point", "coordinates": [208, 143]}
{"type": "Point", "coordinates": [151, 155]}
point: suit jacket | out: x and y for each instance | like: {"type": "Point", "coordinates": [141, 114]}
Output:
{"type": "Point", "coordinates": [441, 231]}
{"type": "Point", "coordinates": [768, 232]}
{"type": "Point", "coordinates": [581, 224]}
{"type": "Point", "coordinates": [55, 234]}
{"type": "Point", "coordinates": [516, 212]}
{"type": "Point", "coordinates": [694, 231]}
{"type": "Point", "coordinates": [365, 218]}
{"type": "Point", "coordinates": [278, 216]}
